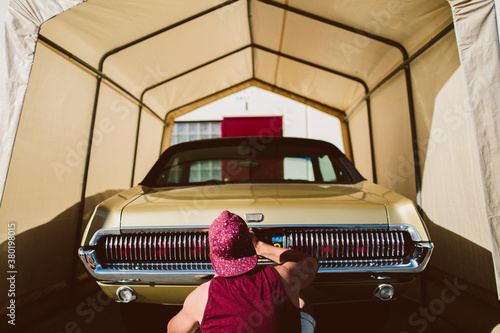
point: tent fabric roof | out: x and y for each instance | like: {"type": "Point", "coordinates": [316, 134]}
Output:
{"type": "Point", "coordinates": [182, 36]}
{"type": "Point", "coordinates": [187, 51]}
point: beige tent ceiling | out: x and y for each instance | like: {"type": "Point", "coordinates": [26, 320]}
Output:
{"type": "Point", "coordinates": [90, 91]}
{"type": "Point", "coordinates": [170, 54]}
{"type": "Point", "coordinates": [255, 40]}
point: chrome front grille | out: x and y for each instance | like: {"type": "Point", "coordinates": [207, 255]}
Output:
{"type": "Point", "coordinates": [352, 247]}
{"type": "Point", "coordinates": [156, 251]}
{"type": "Point", "coordinates": [334, 247]}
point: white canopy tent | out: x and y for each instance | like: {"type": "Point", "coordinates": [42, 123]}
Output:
{"type": "Point", "coordinates": [90, 90]}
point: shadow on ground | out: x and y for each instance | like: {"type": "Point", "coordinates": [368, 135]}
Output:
{"type": "Point", "coordinates": [92, 311]}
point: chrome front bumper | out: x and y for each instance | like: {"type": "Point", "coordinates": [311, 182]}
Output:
{"type": "Point", "coordinates": [343, 254]}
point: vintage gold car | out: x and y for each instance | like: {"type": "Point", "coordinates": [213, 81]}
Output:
{"type": "Point", "coordinates": [149, 244]}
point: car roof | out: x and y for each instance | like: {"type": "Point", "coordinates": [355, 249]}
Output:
{"type": "Point", "coordinates": [252, 141]}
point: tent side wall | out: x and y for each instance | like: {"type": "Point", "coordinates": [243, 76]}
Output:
{"type": "Point", "coordinates": [449, 187]}
{"type": "Point", "coordinates": [360, 141]}
{"type": "Point", "coordinates": [149, 145]}
{"type": "Point", "coordinates": [478, 45]}
{"type": "Point", "coordinates": [52, 156]}
{"type": "Point", "coordinates": [392, 142]}
{"type": "Point", "coordinates": [19, 32]}
{"type": "Point", "coordinates": [44, 184]}
{"type": "Point", "coordinates": [124, 146]}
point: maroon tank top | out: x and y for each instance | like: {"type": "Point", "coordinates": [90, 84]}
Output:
{"type": "Point", "coordinates": [253, 302]}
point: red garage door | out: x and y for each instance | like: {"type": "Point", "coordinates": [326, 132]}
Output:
{"type": "Point", "coordinates": [252, 126]}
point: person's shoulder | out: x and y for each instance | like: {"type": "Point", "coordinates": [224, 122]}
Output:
{"type": "Point", "coordinates": [199, 294]}
{"type": "Point", "coordinates": [195, 302]}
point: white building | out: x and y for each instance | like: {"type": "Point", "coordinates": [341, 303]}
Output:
{"type": "Point", "coordinates": [299, 120]}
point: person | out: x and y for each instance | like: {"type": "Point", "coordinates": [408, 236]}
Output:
{"type": "Point", "coordinates": [244, 297]}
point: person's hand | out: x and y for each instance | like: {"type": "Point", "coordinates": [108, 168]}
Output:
{"type": "Point", "coordinates": [255, 239]}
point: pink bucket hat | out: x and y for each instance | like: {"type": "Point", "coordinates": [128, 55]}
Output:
{"type": "Point", "coordinates": [231, 248]}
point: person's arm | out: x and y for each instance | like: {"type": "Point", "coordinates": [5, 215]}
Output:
{"type": "Point", "coordinates": [183, 322]}
{"type": "Point", "coordinates": [189, 318]}
{"type": "Point", "coordinates": [295, 267]}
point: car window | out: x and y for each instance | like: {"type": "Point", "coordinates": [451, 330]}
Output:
{"type": "Point", "coordinates": [298, 168]}
{"type": "Point", "coordinates": [174, 174]}
{"type": "Point", "coordinates": [327, 169]}
{"type": "Point", "coordinates": [260, 163]}
{"type": "Point", "coordinates": [203, 171]}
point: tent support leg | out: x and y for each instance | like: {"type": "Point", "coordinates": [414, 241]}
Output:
{"type": "Point", "coordinates": [370, 133]}
{"type": "Point", "coordinates": [81, 208]}
{"type": "Point", "coordinates": [414, 139]}
{"type": "Point", "coordinates": [134, 160]}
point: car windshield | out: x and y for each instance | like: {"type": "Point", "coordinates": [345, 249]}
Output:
{"type": "Point", "coordinates": [246, 163]}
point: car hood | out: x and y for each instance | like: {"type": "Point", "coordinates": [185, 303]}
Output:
{"type": "Point", "coordinates": [291, 204]}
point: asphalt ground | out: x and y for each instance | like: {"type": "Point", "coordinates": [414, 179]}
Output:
{"type": "Point", "coordinates": [89, 310]}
